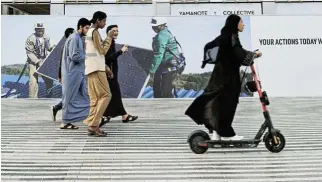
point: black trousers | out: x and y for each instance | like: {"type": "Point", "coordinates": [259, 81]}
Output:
{"type": "Point", "coordinates": [162, 83]}
{"type": "Point", "coordinates": [59, 106]}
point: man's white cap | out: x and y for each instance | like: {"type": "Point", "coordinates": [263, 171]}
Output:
{"type": "Point", "coordinates": [39, 25]}
{"type": "Point", "coordinates": [156, 21]}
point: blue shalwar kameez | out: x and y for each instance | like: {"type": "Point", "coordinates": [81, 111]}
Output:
{"type": "Point", "coordinates": [74, 82]}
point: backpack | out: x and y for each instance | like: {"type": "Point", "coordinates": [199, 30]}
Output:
{"type": "Point", "coordinates": [180, 61]}
{"type": "Point", "coordinates": [210, 56]}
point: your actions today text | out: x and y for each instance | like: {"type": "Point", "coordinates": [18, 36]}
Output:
{"type": "Point", "coordinates": [293, 41]}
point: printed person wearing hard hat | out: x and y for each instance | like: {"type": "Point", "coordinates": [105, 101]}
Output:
{"type": "Point", "coordinates": [165, 63]}
{"type": "Point", "coordinates": [37, 47]}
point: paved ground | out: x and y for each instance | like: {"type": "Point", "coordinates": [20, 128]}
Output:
{"type": "Point", "coordinates": [154, 148]}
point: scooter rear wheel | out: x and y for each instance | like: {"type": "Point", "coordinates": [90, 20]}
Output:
{"type": "Point", "coordinates": [195, 139]}
{"type": "Point", "coordinates": [270, 144]}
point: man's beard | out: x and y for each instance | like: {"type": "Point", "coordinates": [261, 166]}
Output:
{"type": "Point", "coordinates": [82, 33]}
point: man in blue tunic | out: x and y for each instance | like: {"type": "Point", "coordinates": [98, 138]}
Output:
{"type": "Point", "coordinates": [74, 85]}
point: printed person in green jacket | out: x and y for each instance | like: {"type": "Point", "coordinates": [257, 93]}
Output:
{"type": "Point", "coordinates": [165, 63]}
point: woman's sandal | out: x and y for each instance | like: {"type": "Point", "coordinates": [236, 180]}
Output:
{"type": "Point", "coordinates": [69, 126]}
{"type": "Point", "coordinates": [104, 121]}
{"type": "Point", "coordinates": [130, 118]}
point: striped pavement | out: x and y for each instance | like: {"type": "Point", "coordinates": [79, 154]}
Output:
{"type": "Point", "coordinates": [154, 148]}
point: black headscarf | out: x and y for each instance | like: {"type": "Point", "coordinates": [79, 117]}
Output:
{"type": "Point", "coordinates": [231, 25]}
{"type": "Point", "coordinates": [230, 28]}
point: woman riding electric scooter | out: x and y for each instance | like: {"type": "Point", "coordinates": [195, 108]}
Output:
{"type": "Point", "coordinates": [216, 107]}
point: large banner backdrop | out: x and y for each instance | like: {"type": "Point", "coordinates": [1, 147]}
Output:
{"type": "Point", "coordinates": [289, 66]}
{"type": "Point", "coordinates": [292, 60]}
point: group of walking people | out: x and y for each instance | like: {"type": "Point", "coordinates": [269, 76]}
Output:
{"type": "Point", "coordinates": [91, 92]}
{"type": "Point", "coordinates": [88, 74]}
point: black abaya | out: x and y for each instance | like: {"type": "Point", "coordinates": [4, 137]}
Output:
{"type": "Point", "coordinates": [216, 107]}
{"type": "Point", "coordinates": [115, 107]}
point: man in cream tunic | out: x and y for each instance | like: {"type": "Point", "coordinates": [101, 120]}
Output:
{"type": "Point", "coordinates": [95, 69]}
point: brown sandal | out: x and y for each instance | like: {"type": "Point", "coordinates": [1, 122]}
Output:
{"type": "Point", "coordinates": [96, 133]}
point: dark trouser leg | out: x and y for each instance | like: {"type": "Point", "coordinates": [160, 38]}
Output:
{"type": "Point", "coordinates": [167, 84]}
{"type": "Point", "coordinates": [225, 113]}
{"type": "Point", "coordinates": [59, 106]}
{"type": "Point", "coordinates": [56, 108]}
{"type": "Point", "coordinates": [157, 82]}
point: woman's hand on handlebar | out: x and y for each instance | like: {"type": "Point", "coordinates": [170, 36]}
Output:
{"type": "Point", "coordinates": [258, 53]}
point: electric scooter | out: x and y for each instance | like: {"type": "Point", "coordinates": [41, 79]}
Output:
{"type": "Point", "coordinates": [199, 141]}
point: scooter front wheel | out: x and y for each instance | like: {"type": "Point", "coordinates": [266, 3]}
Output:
{"type": "Point", "coordinates": [274, 144]}
{"type": "Point", "coordinates": [195, 138]}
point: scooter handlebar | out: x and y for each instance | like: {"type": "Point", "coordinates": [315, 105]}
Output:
{"type": "Point", "coordinates": [255, 56]}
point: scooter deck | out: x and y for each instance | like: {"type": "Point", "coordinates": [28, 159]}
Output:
{"type": "Point", "coordinates": [248, 143]}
